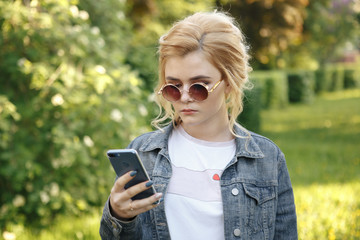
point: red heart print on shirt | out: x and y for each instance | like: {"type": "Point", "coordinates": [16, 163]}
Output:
{"type": "Point", "coordinates": [216, 177]}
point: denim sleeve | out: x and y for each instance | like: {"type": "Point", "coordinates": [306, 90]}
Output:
{"type": "Point", "coordinates": [286, 223]}
{"type": "Point", "coordinates": [112, 228]}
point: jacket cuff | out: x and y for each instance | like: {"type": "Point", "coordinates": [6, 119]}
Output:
{"type": "Point", "coordinates": [115, 224]}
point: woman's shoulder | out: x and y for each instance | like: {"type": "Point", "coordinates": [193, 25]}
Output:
{"type": "Point", "coordinates": [256, 142]}
{"type": "Point", "coordinates": [262, 139]}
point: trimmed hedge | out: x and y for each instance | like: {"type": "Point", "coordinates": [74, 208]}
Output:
{"type": "Point", "coordinates": [352, 77]}
{"type": "Point", "coordinates": [301, 86]}
{"type": "Point", "coordinates": [276, 89]}
{"type": "Point", "coordinates": [270, 91]}
{"type": "Point", "coordinates": [273, 86]}
{"type": "Point", "coordinates": [337, 78]}
{"type": "Point", "coordinates": [250, 117]}
{"type": "Point", "coordinates": [323, 80]}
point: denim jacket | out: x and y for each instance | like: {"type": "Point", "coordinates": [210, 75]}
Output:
{"type": "Point", "coordinates": [257, 195]}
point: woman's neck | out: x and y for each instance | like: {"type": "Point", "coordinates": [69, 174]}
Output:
{"type": "Point", "coordinates": [213, 133]}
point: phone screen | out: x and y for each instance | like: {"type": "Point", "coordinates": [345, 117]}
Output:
{"type": "Point", "coordinates": [125, 160]}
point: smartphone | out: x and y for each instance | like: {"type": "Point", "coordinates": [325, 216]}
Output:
{"type": "Point", "coordinates": [125, 160]}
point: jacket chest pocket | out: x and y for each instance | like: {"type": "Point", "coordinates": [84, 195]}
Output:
{"type": "Point", "coordinates": [260, 207]}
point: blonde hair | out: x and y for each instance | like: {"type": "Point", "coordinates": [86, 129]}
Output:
{"type": "Point", "coordinates": [216, 35]}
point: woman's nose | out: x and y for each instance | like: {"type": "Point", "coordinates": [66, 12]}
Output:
{"type": "Point", "coordinates": [185, 96]}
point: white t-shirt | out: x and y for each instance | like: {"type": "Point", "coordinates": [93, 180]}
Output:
{"type": "Point", "coordinates": [193, 203]}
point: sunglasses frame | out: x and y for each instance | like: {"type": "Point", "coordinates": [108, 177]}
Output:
{"type": "Point", "coordinates": [181, 91]}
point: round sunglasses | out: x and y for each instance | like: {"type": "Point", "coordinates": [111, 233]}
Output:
{"type": "Point", "coordinates": [197, 91]}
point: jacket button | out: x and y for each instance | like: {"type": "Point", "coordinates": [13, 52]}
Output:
{"type": "Point", "coordinates": [237, 232]}
{"type": "Point", "coordinates": [235, 191]}
{"type": "Point", "coordinates": [115, 233]}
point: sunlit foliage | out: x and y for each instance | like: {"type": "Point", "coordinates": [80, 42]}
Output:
{"type": "Point", "coordinates": [66, 96]}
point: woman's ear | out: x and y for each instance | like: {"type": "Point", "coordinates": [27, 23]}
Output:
{"type": "Point", "coordinates": [227, 88]}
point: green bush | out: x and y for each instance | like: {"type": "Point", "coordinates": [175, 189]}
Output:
{"type": "Point", "coordinates": [250, 117]}
{"type": "Point", "coordinates": [351, 77]}
{"type": "Point", "coordinates": [301, 86]}
{"type": "Point", "coordinates": [337, 78]}
{"type": "Point", "coordinates": [270, 91]}
{"type": "Point", "coordinates": [323, 78]}
{"type": "Point", "coordinates": [274, 88]}
{"type": "Point", "coordinates": [65, 98]}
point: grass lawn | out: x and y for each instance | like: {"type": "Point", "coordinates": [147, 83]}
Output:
{"type": "Point", "coordinates": [321, 143]}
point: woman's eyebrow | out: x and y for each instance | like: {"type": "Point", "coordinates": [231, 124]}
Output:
{"type": "Point", "coordinates": [200, 77]}
{"type": "Point", "coordinates": [169, 78]}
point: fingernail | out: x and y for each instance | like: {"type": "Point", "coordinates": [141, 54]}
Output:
{"type": "Point", "coordinates": [160, 200]}
{"type": "Point", "coordinates": [158, 195]}
{"type": "Point", "coordinates": [148, 184]}
{"type": "Point", "coordinates": [133, 173]}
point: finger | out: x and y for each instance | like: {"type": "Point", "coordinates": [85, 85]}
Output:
{"type": "Point", "coordinates": [147, 203]}
{"type": "Point", "coordinates": [130, 209]}
{"type": "Point", "coordinates": [156, 199]}
{"type": "Point", "coordinates": [120, 197]}
{"type": "Point", "coordinates": [122, 180]}
{"type": "Point", "coordinates": [138, 188]}
{"type": "Point", "coordinates": [138, 211]}
{"type": "Point", "coordinates": [139, 206]}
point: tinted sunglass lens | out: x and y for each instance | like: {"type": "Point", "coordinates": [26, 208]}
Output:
{"type": "Point", "coordinates": [198, 92]}
{"type": "Point", "coordinates": [171, 93]}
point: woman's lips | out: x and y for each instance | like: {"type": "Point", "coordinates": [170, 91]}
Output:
{"type": "Point", "coordinates": [188, 111]}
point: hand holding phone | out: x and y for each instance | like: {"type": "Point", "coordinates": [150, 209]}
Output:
{"type": "Point", "coordinates": [125, 160]}
{"type": "Point", "coordinates": [125, 203]}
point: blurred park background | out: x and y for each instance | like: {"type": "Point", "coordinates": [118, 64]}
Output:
{"type": "Point", "coordinates": [77, 78]}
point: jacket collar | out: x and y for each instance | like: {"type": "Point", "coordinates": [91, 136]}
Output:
{"type": "Point", "coordinates": [245, 145]}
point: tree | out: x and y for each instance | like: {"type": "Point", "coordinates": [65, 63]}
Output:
{"type": "Point", "coordinates": [330, 25]}
{"type": "Point", "coordinates": [66, 96]}
{"type": "Point", "coordinates": [270, 26]}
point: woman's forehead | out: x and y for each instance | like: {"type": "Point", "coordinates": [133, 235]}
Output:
{"type": "Point", "coordinates": [191, 66]}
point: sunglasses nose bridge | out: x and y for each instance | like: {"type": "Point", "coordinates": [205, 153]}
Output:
{"type": "Point", "coordinates": [185, 95]}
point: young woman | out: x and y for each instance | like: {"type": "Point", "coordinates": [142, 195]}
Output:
{"type": "Point", "coordinates": [216, 179]}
